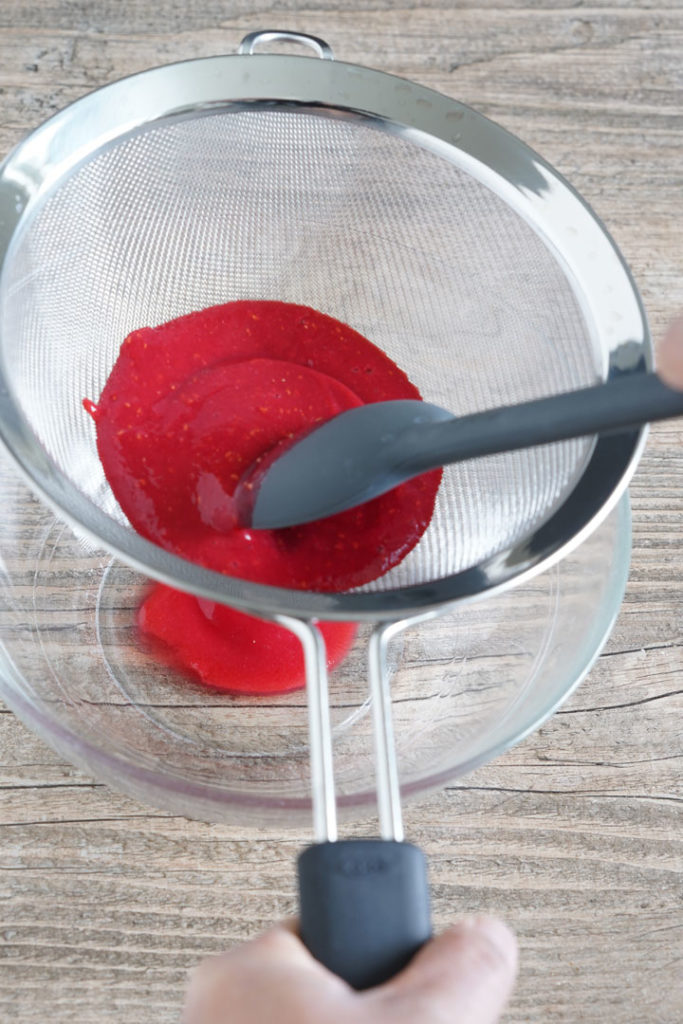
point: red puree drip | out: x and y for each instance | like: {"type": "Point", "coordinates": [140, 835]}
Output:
{"type": "Point", "coordinates": [188, 408]}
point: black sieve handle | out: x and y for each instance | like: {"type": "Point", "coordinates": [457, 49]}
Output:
{"type": "Point", "coordinates": [364, 907]}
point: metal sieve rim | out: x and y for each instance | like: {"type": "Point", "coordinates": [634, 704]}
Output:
{"type": "Point", "coordinates": [591, 260]}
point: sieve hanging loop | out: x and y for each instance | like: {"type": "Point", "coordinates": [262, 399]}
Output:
{"type": "Point", "coordinates": [323, 49]}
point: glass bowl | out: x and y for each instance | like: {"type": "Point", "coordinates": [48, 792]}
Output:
{"type": "Point", "coordinates": [466, 685]}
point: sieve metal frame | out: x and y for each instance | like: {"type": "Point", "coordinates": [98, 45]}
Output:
{"type": "Point", "coordinates": [329, 88]}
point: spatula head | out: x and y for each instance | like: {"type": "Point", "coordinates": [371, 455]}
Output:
{"type": "Point", "coordinates": [349, 460]}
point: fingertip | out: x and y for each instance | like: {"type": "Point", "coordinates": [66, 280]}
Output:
{"type": "Point", "coordinates": [272, 977]}
{"type": "Point", "coordinates": [281, 943]}
{"type": "Point", "coordinates": [200, 989]}
{"type": "Point", "coordinates": [466, 973]}
{"type": "Point", "coordinates": [670, 354]}
{"type": "Point", "coordinates": [496, 939]}
{"type": "Point", "coordinates": [290, 924]}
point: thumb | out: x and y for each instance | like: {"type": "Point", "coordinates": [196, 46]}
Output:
{"type": "Point", "coordinates": [466, 974]}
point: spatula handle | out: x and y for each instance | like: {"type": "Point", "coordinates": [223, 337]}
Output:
{"type": "Point", "coordinates": [364, 907]}
{"type": "Point", "coordinates": [626, 401]}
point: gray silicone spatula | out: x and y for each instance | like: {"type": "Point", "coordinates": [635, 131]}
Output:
{"type": "Point", "coordinates": [368, 450]}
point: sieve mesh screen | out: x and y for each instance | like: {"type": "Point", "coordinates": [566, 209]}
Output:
{"type": "Point", "coordinates": [330, 212]}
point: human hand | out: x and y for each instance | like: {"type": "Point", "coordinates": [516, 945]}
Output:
{"type": "Point", "coordinates": [464, 976]}
{"type": "Point", "coordinates": [670, 355]}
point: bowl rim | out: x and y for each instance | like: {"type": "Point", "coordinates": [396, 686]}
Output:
{"type": "Point", "coordinates": [143, 783]}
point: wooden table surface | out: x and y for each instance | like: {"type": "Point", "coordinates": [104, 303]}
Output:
{"type": "Point", "coordinates": [574, 835]}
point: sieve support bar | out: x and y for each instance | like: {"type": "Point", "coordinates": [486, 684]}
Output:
{"type": "Point", "coordinates": [319, 728]}
{"type": "Point", "coordinates": [388, 789]}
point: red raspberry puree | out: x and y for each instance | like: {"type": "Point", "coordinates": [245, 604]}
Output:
{"type": "Point", "coordinates": [188, 408]}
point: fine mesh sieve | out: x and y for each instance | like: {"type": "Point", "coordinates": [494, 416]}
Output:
{"type": "Point", "coordinates": [428, 263]}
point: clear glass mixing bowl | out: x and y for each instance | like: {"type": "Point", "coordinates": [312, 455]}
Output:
{"type": "Point", "coordinates": [465, 685]}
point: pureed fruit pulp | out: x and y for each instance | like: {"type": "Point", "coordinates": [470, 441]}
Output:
{"type": "Point", "coordinates": [188, 408]}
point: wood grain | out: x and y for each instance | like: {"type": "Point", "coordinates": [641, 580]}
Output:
{"type": "Point", "coordinates": [575, 835]}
